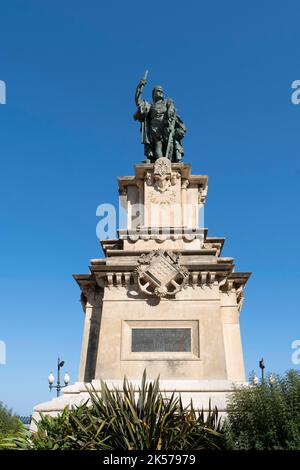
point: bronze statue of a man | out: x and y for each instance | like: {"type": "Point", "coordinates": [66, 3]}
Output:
{"type": "Point", "coordinates": [161, 128]}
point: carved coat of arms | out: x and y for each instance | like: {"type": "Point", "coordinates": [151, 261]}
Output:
{"type": "Point", "coordinates": [160, 274]}
{"type": "Point", "coordinates": [163, 177]}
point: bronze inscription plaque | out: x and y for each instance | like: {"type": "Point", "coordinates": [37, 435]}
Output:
{"type": "Point", "coordinates": [161, 340]}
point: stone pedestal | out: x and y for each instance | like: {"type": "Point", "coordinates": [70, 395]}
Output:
{"type": "Point", "coordinates": [163, 298]}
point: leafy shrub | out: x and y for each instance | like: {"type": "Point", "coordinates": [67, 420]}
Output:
{"type": "Point", "coordinates": [10, 425]}
{"type": "Point", "coordinates": [266, 416]}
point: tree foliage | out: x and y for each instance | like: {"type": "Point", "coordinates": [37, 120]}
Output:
{"type": "Point", "coordinates": [266, 416]}
{"type": "Point", "coordinates": [10, 425]}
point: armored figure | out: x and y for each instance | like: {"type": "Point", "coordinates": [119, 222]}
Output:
{"type": "Point", "coordinates": [161, 128]}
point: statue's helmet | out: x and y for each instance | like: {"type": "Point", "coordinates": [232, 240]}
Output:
{"type": "Point", "coordinates": [155, 89]}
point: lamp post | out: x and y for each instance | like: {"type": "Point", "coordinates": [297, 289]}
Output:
{"type": "Point", "coordinates": [255, 380]}
{"type": "Point", "coordinates": [51, 378]}
{"type": "Point", "coordinates": [271, 379]}
{"type": "Point", "coordinates": [262, 366]}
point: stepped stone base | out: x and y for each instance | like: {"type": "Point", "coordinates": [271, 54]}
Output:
{"type": "Point", "coordinates": [200, 391]}
{"type": "Point", "coordinates": [163, 299]}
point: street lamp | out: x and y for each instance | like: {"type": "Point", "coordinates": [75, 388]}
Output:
{"type": "Point", "coordinates": [262, 366]}
{"type": "Point", "coordinates": [271, 379]}
{"type": "Point", "coordinates": [255, 380]}
{"type": "Point", "coordinates": [51, 378]}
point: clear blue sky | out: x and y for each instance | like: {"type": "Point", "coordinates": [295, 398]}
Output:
{"type": "Point", "coordinates": [67, 132]}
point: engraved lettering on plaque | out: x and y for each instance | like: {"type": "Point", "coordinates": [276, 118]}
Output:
{"type": "Point", "coordinates": [161, 340]}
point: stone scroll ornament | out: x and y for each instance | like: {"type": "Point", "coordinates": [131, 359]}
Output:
{"type": "Point", "coordinates": [160, 274]}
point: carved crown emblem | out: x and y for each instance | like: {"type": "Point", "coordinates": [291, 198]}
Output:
{"type": "Point", "coordinates": [160, 274]}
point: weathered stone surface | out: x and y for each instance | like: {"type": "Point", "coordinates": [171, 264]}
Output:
{"type": "Point", "coordinates": [157, 275]}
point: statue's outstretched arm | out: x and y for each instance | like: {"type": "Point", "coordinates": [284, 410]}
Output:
{"type": "Point", "coordinates": [139, 89]}
{"type": "Point", "coordinates": [138, 93]}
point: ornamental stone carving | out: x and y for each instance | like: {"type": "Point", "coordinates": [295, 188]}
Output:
{"type": "Point", "coordinates": [168, 197]}
{"type": "Point", "coordinates": [160, 274]}
{"type": "Point", "coordinates": [185, 183]}
{"type": "Point", "coordinates": [91, 295]}
{"type": "Point", "coordinates": [163, 176]}
{"type": "Point", "coordinates": [202, 193]}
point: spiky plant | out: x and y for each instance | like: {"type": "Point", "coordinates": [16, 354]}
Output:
{"type": "Point", "coordinates": [130, 419]}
